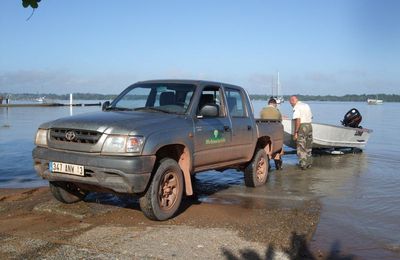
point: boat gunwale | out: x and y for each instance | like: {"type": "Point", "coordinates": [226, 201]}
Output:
{"type": "Point", "coordinates": [339, 126]}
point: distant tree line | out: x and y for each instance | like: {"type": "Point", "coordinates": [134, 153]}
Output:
{"type": "Point", "coordinates": [81, 96]}
{"type": "Point", "coordinates": [93, 96]}
{"type": "Point", "coordinates": [354, 98]}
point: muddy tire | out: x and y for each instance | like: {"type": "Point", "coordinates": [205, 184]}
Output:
{"type": "Point", "coordinates": [164, 195]}
{"type": "Point", "coordinates": [66, 192]}
{"type": "Point", "coordinates": [256, 173]}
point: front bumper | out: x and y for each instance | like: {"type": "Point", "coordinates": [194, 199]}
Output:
{"type": "Point", "coordinates": [122, 174]}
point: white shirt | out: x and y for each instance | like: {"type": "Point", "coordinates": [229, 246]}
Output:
{"type": "Point", "coordinates": [302, 110]}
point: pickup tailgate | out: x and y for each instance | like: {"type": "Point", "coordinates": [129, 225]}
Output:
{"type": "Point", "coordinates": [272, 129]}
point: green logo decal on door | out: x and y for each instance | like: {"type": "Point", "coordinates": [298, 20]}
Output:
{"type": "Point", "coordinates": [216, 138]}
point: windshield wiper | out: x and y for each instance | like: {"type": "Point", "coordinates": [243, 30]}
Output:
{"type": "Point", "coordinates": [119, 108]}
{"type": "Point", "coordinates": [153, 109]}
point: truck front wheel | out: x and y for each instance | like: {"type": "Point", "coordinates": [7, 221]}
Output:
{"type": "Point", "coordinates": [66, 192]}
{"type": "Point", "coordinates": [256, 173]}
{"type": "Point", "coordinates": [164, 195]}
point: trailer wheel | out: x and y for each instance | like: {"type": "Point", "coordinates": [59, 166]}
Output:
{"type": "Point", "coordinates": [164, 195]}
{"type": "Point", "coordinates": [256, 173]}
{"type": "Point", "coordinates": [66, 192]}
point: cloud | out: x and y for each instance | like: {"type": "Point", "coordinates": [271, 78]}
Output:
{"type": "Point", "coordinates": [63, 81]}
{"type": "Point", "coordinates": [320, 77]}
{"type": "Point", "coordinates": [178, 73]}
{"type": "Point", "coordinates": [313, 83]}
{"type": "Point", "coordinates": [357, 73]}
{"type": "Point", "coordinates": [60, 82]}
{"type": "Point", "coordinates": [36, 80]}
{"type": "Point", "coordinates": [260, 83]}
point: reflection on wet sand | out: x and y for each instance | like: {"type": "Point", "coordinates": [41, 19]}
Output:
{"type": "Point", "coordinates": [285, 188]}
{"type": "Point", "coordinates": [339, 182]}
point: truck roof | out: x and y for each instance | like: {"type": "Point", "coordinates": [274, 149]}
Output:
{"type": "Point", "coordinates": [189, 81]}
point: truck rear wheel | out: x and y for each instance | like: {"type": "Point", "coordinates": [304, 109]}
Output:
{"type": "Point", "coordinates": [256, 173]}
{"type": "Point", "coordinates": [164, 195]}
{"type": "Point", "coordinates": [66, 192]}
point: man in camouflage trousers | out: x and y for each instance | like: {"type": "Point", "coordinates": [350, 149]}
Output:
{"type": "Point", "coordinates": [302, 117]}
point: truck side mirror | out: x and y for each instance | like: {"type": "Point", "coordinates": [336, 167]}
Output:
{"type": "Point", "coordinates": [209, 110]}
{"type": "Point", "coordinates": [105, 105]}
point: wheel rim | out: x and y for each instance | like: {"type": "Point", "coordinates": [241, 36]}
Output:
{"type": "Point", "coordinates": [261, 169]}
{"type": "Point", "coordinates": [168, 192]}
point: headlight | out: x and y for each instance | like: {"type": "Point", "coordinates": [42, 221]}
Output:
{"type": "Point", "coordinates": [134, 144]}
{"type": "Point", "coordinates": [123, 144]}
{"type": "Point", "coordinates": [41, 137]}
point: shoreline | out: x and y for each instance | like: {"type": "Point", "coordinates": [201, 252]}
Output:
{"type": "Point", "coordinates": [50, 105]}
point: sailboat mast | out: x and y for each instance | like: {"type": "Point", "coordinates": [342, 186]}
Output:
{"type": "Point", "coordinates": [272, 86]}
{"type": "Point", "coordinates": [278, 91]}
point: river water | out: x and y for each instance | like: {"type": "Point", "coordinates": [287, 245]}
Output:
{"type": "Point", "coordinates": [359, 193]}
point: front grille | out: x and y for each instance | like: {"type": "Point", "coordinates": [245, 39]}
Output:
{"type": "Point", "coordinates": [74, 135]}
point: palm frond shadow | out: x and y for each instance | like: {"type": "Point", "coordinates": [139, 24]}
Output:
{"type": "Point", "coordinates": [298, 249]}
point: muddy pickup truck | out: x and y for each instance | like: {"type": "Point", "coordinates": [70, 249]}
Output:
{"type": "Point", "coordinates": [151, 139]}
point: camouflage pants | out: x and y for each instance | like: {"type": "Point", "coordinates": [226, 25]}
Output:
{"type": "Point", "coordinates": [304, 145]}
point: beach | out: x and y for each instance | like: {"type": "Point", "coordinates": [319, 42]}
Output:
{"type": "Point", "coordinates": [34, 225]}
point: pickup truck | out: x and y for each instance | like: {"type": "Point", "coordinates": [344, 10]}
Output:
{"type": "Point", "coordinates": [150, 141]}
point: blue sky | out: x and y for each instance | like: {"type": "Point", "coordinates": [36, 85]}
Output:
{"type": "Point", "coordinates": [319, 47]}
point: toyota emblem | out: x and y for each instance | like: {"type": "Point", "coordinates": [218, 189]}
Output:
{"type": "Point", "coordinates": [70, 135]}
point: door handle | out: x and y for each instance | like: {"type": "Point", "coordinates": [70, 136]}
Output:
{"type": "Point", "coordinates": [249, 127]}
{"type": "Point", "coordinates": [227, 128]}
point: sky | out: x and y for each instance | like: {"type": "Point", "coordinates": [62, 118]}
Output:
{"type": "Point", "coordinates": [332, 47]}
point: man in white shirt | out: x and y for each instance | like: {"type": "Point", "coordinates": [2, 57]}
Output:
{"type": "Point", "coordinates": [302, 116]}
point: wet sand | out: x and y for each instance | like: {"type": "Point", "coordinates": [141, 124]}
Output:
{"type": "Point", "coordinates": [34, 225]}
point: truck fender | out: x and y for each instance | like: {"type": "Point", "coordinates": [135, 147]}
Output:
{"type": "Point", "coordinates": [178, 145]}
{"type": "Point", "coordinates": [182, 155]}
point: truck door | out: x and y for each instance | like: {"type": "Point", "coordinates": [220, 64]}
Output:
{"type": "Point", "coordinates": [213, 133]}
{"type": "Point", "coordinates": [242, 124]}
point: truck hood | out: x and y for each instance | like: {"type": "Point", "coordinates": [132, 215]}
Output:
{"type": "Point", "coordinates": [114, 122]}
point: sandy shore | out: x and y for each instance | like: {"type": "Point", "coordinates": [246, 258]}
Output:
{"type": "Point", "coordinates": [34, 225]}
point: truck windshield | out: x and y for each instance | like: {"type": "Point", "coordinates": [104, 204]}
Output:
{"type": "Point", "coordinates": [172, 98]}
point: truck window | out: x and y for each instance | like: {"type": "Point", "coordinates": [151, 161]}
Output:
{"type": "Point", "coordinates": [212, 96]}
{"type": "Point", "coordinates": [236, 105]}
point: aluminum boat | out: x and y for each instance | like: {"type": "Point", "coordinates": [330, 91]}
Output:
{"type": "Point", "coordinates": [327, 136]}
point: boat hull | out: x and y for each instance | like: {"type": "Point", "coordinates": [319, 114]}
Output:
{"type": "Point", "coordinates": [330, 136]}
{"type": "Point", "coordinates": [374, 101]}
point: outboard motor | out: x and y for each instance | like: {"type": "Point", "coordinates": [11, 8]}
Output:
{"type": "Point", "coordinates": [352, 118]}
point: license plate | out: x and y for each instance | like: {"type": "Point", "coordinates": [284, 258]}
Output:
{"type": "Point", "coordinates": [67, 168]}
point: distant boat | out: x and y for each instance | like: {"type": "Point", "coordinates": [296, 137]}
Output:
{"type": "Point", "coordinates": [373, 101]}
{"type": "Point", "coordinates": [41, 99]}
{"type": "Point", "coordinates": [279, 100]}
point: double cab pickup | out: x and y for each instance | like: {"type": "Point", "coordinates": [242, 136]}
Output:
{"type": "Point", "coordinates": [151, 140]}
